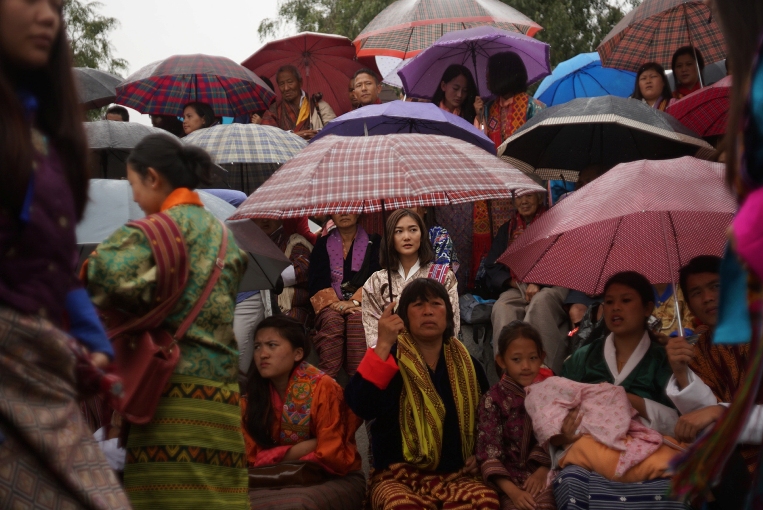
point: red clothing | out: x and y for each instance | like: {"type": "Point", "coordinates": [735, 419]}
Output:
{"type": "Point", "coordinates": [682, 91]}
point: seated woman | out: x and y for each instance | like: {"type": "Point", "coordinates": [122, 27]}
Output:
{"type": "Point", "coordinates": [198, 116]}
{"type": "Point", "coordinates": [404, 259]}
{"type": "Point", "coordinates": [295, 412]}
{"type": "Point", "coordinates": [687, 65]}
{"type": "Point", "coordinates": [652, 86]}
{"type": "Point", "coordinates": [458, 94]}
{"type": "Point", "coordinates": [422, 389]}
{"type": "Point", "coordinates": [340, 264]}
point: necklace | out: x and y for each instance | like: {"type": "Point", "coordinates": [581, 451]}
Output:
{"type": "Point", "coordinates": [432, 366]}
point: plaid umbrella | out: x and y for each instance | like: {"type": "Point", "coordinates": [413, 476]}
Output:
{"type": "Point", "coordinates": [95, 88]}
{"type": "Point", "coordinates": [565, 139]}
{"type": "Point", "coordinates": [654, 30]}
{"type": "Point", "coordinates": [247, 143]}
{"type": "Point", "coordinates": [406, 27]}
{"type": "Point", "coordinates": [355, 174]}
{"type": "Point", "coordinates": [706, 110]}
{"type": "Point", "coordinates": [643, 216]}
{"type": "Point", "coordinates": [166, 86]}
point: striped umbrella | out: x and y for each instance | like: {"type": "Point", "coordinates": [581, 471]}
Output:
{"type": "Point", "coordinates": [166, 86]}
{"type": "Point", "coordinates": [706, 110]}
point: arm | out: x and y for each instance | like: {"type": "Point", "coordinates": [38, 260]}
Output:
{"type": "Point", "coordinates": [498, 276]}
{"type": "Point", "coordinates": [489, 449]}
{"type": "Point", "coordinates": [657, 416]}
{"type": "Point", "coordinates": [269, 118]}
{"type": "Point", "coordinates": [372, 306]}
{"type": "Point", "coordinates": [452, 285]}
{"type": "Point", "coordinates": [319, 272]}
{"type": "Point", "coordinates": [327, 113]}
{"type": "Point", "coordinates": [694, 395]}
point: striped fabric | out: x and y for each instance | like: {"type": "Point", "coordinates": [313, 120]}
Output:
{"type": "Point", "coordinates": [247, 143]}
{"type": "Point", "coordinates": [345, 493]}
{"type": "Point", "coordinates": [340, 341]}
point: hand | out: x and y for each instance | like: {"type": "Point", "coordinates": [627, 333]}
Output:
{"type": "Point", "coordinates": [638, 403]}
{"type": "Point", "coordinates": [536, 482]}
{"type": "Point", "coordinates": [470, 467]}
{"type": "Point", "coordinates": [352, 309]}
{"type": "Point", "coordinates": [100, 360]}
{"type": "Point", "coordinates": [570, 429]}
{"type": "Point", "coordinates": [390, 325]}
{"type": "Point", "coordinates": [530, 292]}
{"type": "Point", "coordinates": [256, 119]}
{"type": "Point", "coordinates": [691, 424]}
{"type": "Point", "coordinates": [299, 450]}
{"type": "Point", "coordinates": [341, 306]}
{"type": "Point", "coordinates": [479, 105]}
{"type": "Point", "coordinates": [307, 134]}
{"type": "Point", "coordinates": [523, 500]}
{"type": "Point", "coordinates": [680, 353]}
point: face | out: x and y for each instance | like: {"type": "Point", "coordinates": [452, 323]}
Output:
{"type": "Point", "coordinates": [527, 205]}
{"type": "Point", "coordinates": [267, 225]}
{"type": "Point", "coordinates": [703, 292]}
{"type": "Point", "coordinates": [345, 220]}
{"type": "Point", "coordinates": [427, 318]}
{"type": "Point", "coordinates": [407, 236]}
{"type": "Point", "coordinates": [289, 85]}
{"type": "Point", "coordinates": [274, 355]}
{"type": "Point", "coordinates": [28, 30]}
{"type": "Point", "coordinates": [650, 84]}
{"type": "Point", "coordinates": [114, 116]}
{"type": "Point", "coordinates": [685, 70]}
{"type": "Point", "coordinates": [147, 191]}
{"type": "Point", "coordinates": [521, 361]}
{"type": "Point", "coordinates": [351, 94]}
{"type": "Point", "coordinates": [624, 313]}
{"type": "Point", "coordinates": [191, 120]}
{"type": "Point", "coordinates": [367, 90]}
{"type": "Point", "coordinates": [455, 91]}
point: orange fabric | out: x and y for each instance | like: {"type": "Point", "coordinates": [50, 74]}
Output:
{"type": "Point", "coordinates": [181, 196]}
{"type": "Point", "coordinates": [323, 298]}
{"type": "Point", "coordinates": [332, 423]}
{"type": "Point", "coordinates": [589, 454]}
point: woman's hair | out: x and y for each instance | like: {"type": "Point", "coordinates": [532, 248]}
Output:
{"type": "Point", "coordinates": [515, 330]}
{"type": "Point", "coordinates": [388, 255]}
{"type": "Point", "coordinates": [259, 411]}
{"type": "Point", "coordinates": [426, 289]}
{"type": "Point", "coordinates": [184, 166]}
{"type": "Point", "coordinates": [58, 115]}
{"type": "Point", "coordinates": [635, 281]}
{"type": "Point", "coordinates": [451, 73]}
{"type": "Point", "coordinates": [169, 123]}
{"type": "Point", "coordinates": [204, 111]}
{"type": "Point", "coordinates": [653, 66]}
{"type": "Point", "coordinates": [687, 50]}
{"type": "Point", "coordinates": [507, 75]}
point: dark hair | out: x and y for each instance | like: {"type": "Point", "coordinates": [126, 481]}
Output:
{"type": "Point", "coordinates": [368, 71]}
{"type": "Point", "coordinates": [288, 68]}
{"type": "Point", "coordinates": [687, 50]}
{"type": "Point", "coordinates": [654, 66]}
{"type": "Point", "coordinates": [121, 111]}
{"type": "Point", "coordinates": [635, 281]}
{"type": "Point", "coordinates": [426, 289]}
{"type": "Point", "coordinates": [58, 115]}
{"type": "Point", "coordinates": [184, 166]}
{"type": "Point", "coordinates": [169, 123]}
{"type": "Point", "coordinates": [515, 330]}
{"type": "Point", "coordinates": [268, 82]}
{"type": "Point", "coordinates": [204, 111]}
{"type": "Point", "coordinates": [697, 265]}
{"type": "Point", "coordinates": [451, 73]}
{"type": "Point", "coordinates": [259, 411]}
{"type": "Point", "coordinates": [388, 255]}
{"type": "Point", "coordinates": [506, 74]}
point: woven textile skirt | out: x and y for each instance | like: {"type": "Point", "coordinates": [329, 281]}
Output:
{"type": "Point", "coordinates": [48, 457]}
{"type": "Point", "coordinates": [191, 454]}
{"type": "Point", "coordinates": [345, 493]}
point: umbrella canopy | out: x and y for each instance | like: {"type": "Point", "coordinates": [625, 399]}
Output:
{"type": "Point", "coordinates": [563, 140]}
{"type": "Point", "coordinates": [584, 76]}
{"type": "Point", "coordinates": [325, 61]}
{"type": "Point", "coordinates": [361, 174]}
{"type": "Point", "coordinates": [706, 110]}
{"type": "Point", "coordinates": [166, 86]}
{"type": "Point", "coordinates": [472, 48]}
{"type": "Point", "coordinates": [406, 27]}
{"type": "Point", "coordinates": [247, 143]}
{"type": "Point", "coordinates": [112, 141]}
{"type": "Point", "coordinates": [402, 117]}
{"type": "Point", "coordinates": [642, 216]}
{"type": "Point", "coordinates": [655, 29]}
{"type": "Point", "coordinates": [95, 88]}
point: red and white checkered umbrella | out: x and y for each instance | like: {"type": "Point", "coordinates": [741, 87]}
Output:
{"type": "Point", "coordinates": [341, 174]}
{"type": "Point", "coordinates": [647, 216]}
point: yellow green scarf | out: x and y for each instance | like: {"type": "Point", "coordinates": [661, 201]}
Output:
{"type": "Point", "coordinates": [422, 411]}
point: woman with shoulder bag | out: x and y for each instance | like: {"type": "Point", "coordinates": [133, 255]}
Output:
{"type": "Point", "coordinates": [191, 452]}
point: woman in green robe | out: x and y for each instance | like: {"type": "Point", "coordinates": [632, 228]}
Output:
{"type": "Point", "coordinates": [191, 454]}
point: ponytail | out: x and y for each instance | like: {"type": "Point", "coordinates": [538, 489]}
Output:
{"type": "Point", "coordinates": [184, 166]}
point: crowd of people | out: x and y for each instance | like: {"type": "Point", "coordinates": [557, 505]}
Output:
{"type": "Point", "coordinates": [267, 391]}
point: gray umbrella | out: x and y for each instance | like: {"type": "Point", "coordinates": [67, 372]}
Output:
{"type": "Point", "coordinates": [563, 140]}
{"type": "Point", "coordinates": [96, 88]}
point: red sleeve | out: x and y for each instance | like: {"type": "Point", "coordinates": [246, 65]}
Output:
{"type": "Point", "coordinates": [268, 118]}
{"type": "Point", "coordinates": [377, 372]}
{"type": "Point", "coordinates": [299, 226]}
{"type": "Point", "coordinates": [270, 456]}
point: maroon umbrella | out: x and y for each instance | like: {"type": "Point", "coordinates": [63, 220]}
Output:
{"type": "Point", "coordinates": [706, 110]}
{"type": "Point", "coordinates": [647, 216]}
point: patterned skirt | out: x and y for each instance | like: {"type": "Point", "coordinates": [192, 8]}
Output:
{"type": "Point", "coordinates": [191, 454]}
{"type": "Point", "coordinates": [48, 457]}
{"type": "Point", "coordinates": [345, 493]}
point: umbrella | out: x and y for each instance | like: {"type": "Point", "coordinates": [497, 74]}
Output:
{"type": "Point", "coordinates": [166, 86]}
{"type": "Point", "coordinates": [250, 153]}
{"type": "Point", "coordinates": [95, 88]}
{"type": "Point", "coordinates": [472, 48]}
{"type": "Point", "coordinates": [406, 27]}
{"type": "Point", "coordinates": [111, 205]}
{"type": "Point", "coordinates": [655, 29]}
{"type": "Point", "coordinates": [325, 61]}
{"type": "Point", "coordinates": [361, 174]}
{"type": "Point", "coordinates": [402, 117]}
{"type": "Point", "coordinates": [584, 76]}
{"type": "Point", "coordinates": [644, 216]}
{"type": "Point", "coordinates": [563, 140]}
{"type": "Point", "coordinates": [706, 110]}
{"type": "Point", "coordinates": [111, 142]}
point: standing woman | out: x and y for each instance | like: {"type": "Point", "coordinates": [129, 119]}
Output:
{"type": "Point", "coordinates": [191, 454]}
{"type": "Point", "coordinates": [457, 94]}
{"type": "Point", "coordinates": [652, 86]}
{"type": "Point", "coordinates": [687, 65]}
{"type": "Point", "coordinates": [43, 192]}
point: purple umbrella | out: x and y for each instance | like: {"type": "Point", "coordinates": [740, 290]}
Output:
{"type": "Point", "coordinates": [404, 117]}
{"type": "Point", "coordinates": [472, 48]}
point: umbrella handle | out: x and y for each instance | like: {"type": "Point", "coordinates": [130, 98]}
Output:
{"type": "Point", "coordinates": [670, 270]}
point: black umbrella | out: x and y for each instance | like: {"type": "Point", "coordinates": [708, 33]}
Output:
{"type": "Point", "coordinates": [96, 88]}
{"type": "Point", "coordinates": [561, 141]}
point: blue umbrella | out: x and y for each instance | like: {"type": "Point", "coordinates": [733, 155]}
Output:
{"type": "Point", "coordinates": [405, 117]}
{"type": "Point", "coordinates": [583, 76]}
